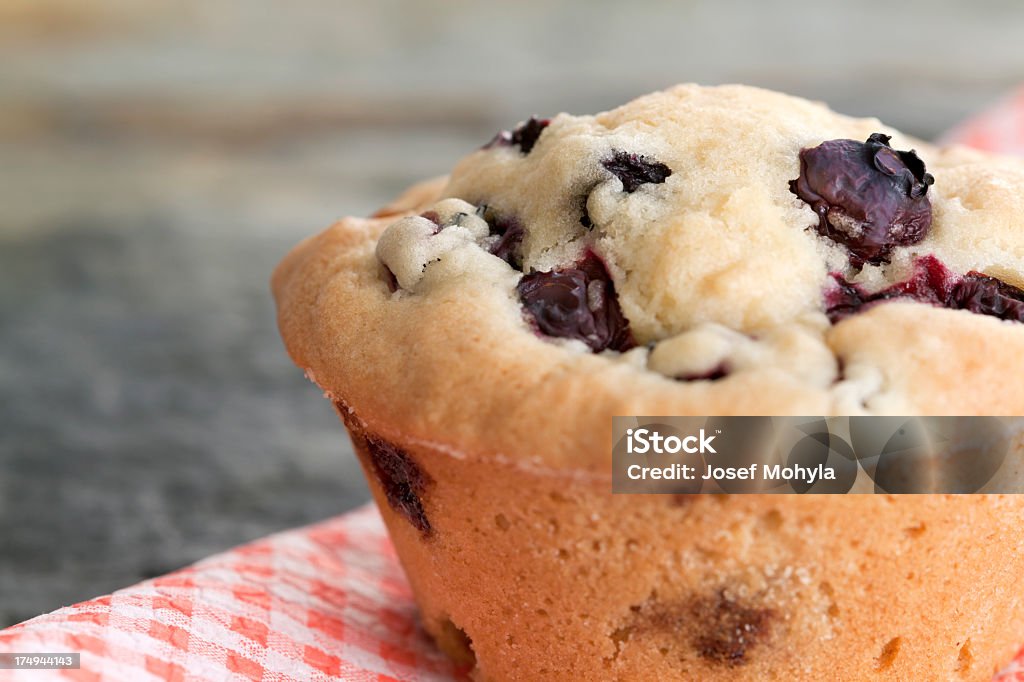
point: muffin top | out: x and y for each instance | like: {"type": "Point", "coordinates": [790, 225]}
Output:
{"type": "Point", "coordinates": [707, 251]}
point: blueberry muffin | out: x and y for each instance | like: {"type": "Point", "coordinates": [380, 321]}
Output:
{"type": "Point", "coordinates": [698, 251]}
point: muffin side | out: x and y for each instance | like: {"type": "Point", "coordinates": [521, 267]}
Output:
{"type": "Point", "coordinates": [532, 576]}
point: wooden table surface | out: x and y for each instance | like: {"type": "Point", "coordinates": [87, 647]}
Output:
{"type": "Point", "coordinates": [157, 158]}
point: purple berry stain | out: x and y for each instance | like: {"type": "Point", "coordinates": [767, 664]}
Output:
{"type": "Point", "coordinates": [525, 136]}
{"type": "Point", "coordinates": [401, 479]}
{"type": "Point", "coordinates": [577, 302]}
{"type": "Point", "coordinates": [730, 631]}
{"type": "Point", "coordinates": [868, 196]}
{"type": "Point", "coordinates": [933, 283]}
{"type": "Point", "coordinates": [635, 170]}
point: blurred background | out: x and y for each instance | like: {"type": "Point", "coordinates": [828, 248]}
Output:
{"type": "Point", "coordinates": [158, 158]}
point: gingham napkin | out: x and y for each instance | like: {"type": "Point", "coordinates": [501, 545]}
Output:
{"type": "Point", "coordinates": [324, 602]}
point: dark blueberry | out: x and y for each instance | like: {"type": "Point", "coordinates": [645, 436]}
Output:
{"type": "Point", "coordinates": [988, 296]}
{"type": "Point", "coordinates": [524, 137]}
{"type": "Point", "coordinates": [402, 480]}
{"type": "Point", "coordinates": [509, 246]}
{"type": "Point", "coordinates": [578, 302]}
{"type": "Point", "coordinates": [931, 282]}
{"type": "Point", "coordinates": [510, 233]}
{"type": "Point", "coordinates": [727, 630]}
{"type": "Point", "coordinates": [635, 170]}
{"type": "Point", "coordinates": [868, 196]}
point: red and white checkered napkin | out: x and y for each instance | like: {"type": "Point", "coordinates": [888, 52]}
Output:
{"type": "Point", "coordinates": [325, 602]}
